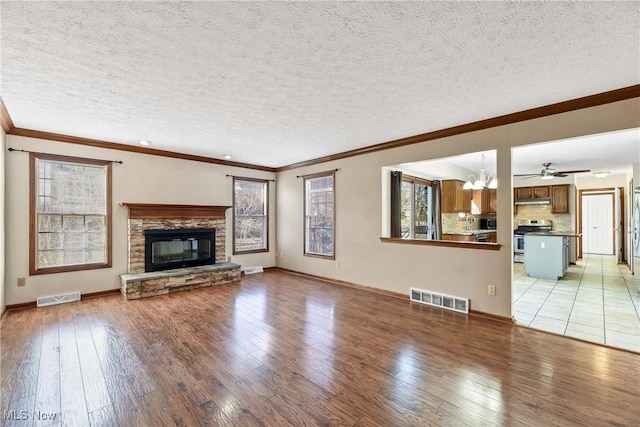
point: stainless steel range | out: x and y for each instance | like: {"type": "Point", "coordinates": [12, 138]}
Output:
{"type": "Point", "coordinates": [527, 226]}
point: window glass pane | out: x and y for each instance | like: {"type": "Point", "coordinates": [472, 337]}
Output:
{"type": "Point", "coordinates": [421, 204]}
{"type": "Point", "coordinates": [250, 209]}
{"type": "Point", "coordinates": [405, 213]}
{"type": "Point", "coordinates": [71, 208]}
{"type": "Point", "coordinates": [319, 224]}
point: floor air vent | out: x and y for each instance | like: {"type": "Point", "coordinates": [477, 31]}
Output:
{"type": "Point", "coordinates": [440, 300]}
{"type": "Point", "coordinates": [253, 270]}
{"type": "Point", "coordinates": [58, 299]}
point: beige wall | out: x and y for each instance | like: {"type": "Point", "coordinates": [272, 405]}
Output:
{"type": "Point", "coordinates": [3, 153]}
{"type": "Point", "coordinates": [141, 179]}
{"type": "Point", "coordinates": [360, 256]}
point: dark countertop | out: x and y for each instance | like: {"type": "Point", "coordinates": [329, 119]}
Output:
{"type": "Point", "coordinates": [470, 233]}
{"type": "Point", "coordinates": [555, 233]}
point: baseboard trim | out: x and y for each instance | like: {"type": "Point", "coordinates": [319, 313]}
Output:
{"type": "Point", "coordinates": [497, 318]}
{"type": "Point", "coordinates": [101, 293]}
{"type": "Point", "coordinates": [32, 304]}
{"type": "Point", "coordinates": [21, 305]}
{"type": "Point", "coordinates": [347, 284]}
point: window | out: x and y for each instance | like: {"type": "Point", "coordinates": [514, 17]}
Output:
{"type": "Point", "coordinates": [416, 217]}
{"type": "Point", "coordinates": [70, 214]}
{"type": "Point", "coordinates": [319, 211]}
{"type": "Point", "coordinates": [250, 218]}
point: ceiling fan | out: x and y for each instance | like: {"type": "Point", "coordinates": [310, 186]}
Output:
{"type": "Point", "coordinates": [550, 173]}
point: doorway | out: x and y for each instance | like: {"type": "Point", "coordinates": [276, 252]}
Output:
{"type": "Point", "coordinates": [598, 223]}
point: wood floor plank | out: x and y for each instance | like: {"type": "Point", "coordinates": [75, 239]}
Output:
{"type": "Point", "coordinates": [280, 349]}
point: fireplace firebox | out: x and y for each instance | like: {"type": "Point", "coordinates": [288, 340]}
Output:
{"type": "Point", "coordinates": [178, 248]}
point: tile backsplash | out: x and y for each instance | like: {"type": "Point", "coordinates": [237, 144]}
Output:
{"type": "Point", "coordinates": [561, 222]}
{"type": "Point", "coordinates": [450, 224]}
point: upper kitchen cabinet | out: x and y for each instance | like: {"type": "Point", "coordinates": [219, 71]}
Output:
{"type": "Point", "coordinates": [540, 192]}
{"type": "Point", "coordinates": [560, 198]}
{"type": "Point", "coordinates": [454, 198]}
{"type": "Point", "coordinates": [484, 201]}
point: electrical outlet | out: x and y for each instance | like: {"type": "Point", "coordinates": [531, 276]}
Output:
{"type": "Point", "coordinates": [22, 281]}
{"type": "Point", "coordinates": [491, 289]}
{"type": "Point", "coordinates": [337, 264]}
{"type": "Point", "coordinates": [543, 245]}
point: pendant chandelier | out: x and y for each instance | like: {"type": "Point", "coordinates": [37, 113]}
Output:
{"type": "Point", "coordinates": [481, 181]}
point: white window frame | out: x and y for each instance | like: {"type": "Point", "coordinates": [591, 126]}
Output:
{"type": "Point", "coordinates": [265, 218]}
{"type": "Point", "coordinates": [309, 216]}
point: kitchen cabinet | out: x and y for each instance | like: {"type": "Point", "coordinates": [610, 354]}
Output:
{"type": "Point", "coordinates": [538, 192]}
{"type": "Point", "coordinates": [560, 198]}
{"type": "Point", "coordinates": [454, 198]}
{"type": "Point", "coordinates": [493, 201]}
{"type": "Point", "coordinates": [459, 237]}
{"type": "Point", "coordinates": [484, 202]}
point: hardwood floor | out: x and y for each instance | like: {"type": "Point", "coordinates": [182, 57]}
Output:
{"type": "Point", "coordinates": [280, 349]}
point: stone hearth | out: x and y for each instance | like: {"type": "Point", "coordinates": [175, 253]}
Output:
{"type": "Point", "coordinates": [138, 284]}
{"type": "Point", "coordinates": [134, 286]}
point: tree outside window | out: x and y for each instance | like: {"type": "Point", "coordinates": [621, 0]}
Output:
{"type": "Point", "coordinates": [71, 214]}
{"type": "Point", "coordinates": [250, 210]}
{"type": "Point", "coordinates": [319, 209]}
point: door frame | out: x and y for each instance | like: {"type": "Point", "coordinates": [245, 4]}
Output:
{"type": "Point", "coordinates": [602, 191]}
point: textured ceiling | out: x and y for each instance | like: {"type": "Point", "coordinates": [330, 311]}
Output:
{"type": "Point", "coordinates": [273, 83]}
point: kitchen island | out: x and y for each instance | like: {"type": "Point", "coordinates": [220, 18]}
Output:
{"type": "Point", "coordinates": [547, 254]}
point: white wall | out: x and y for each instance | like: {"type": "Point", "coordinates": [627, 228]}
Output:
{"type": "Point", "coordinates": [610, 181]}
{"type": "Point", "coordinates": [363, 259]}
{"type": "Point", "coordinates": [3, 153]}
{"type": "Point", "coordinates": [141, 179]}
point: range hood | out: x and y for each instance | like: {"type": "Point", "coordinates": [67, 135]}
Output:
{"type": "Point", "coordinates": [537, 201]}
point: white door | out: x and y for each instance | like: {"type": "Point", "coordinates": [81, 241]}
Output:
{"type": "Point", "coordinates": [597, 223]}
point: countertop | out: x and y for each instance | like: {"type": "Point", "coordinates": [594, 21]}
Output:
{"type": "Point", "coordinates": [555, 233]}
{"type": "Point", "coordinates": [470, 233]}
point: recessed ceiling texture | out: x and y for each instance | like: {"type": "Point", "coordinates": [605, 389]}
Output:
{"type": "Point", "coordinates": [275, 83]}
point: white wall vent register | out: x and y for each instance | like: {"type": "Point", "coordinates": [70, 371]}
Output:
{"type": "Point", "coordinates": [436, 299]}
{"type": "Point", "coordinates": [58, 299]}
{"type": "Point", "coordinates": [253, 270]}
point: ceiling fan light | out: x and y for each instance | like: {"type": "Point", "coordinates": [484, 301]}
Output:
{"type": "Point", "coordinates": [493, 184]}
{"type": "Point", "coordinates": [546, 177]}
{"type": "Point", "coordinates": [467, 185]}
{"type": "Point", "coordinates": [601, 174]}
{"type": "Point", "coordinates": [478, 185]}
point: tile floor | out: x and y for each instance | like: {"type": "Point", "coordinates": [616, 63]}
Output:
{"type": "Point", "coordinates": [597, 300]}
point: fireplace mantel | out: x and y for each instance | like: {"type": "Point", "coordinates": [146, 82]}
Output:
{"type": "Point", "coordinates": [156, 211]}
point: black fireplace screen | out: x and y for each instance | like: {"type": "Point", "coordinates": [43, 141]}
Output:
{"type": "Point", "coordinates": [167, 249]}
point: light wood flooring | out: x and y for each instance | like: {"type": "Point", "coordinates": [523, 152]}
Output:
{"type": "Point", "coordinates": [280, 349]}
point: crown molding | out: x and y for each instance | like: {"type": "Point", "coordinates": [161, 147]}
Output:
{"type": "Point", "coordinates": [5, 118]}
{"type": "Point", "coordinates": [534, 113]}
{"type": "Point", "coordinates": [29, 133]}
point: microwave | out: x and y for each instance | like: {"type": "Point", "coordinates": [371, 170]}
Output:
{"type": "Point", "coordinates": [488, 224]}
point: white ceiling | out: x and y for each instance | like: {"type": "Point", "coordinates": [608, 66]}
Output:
{"type": "Point", "coordinates": [274, 83]}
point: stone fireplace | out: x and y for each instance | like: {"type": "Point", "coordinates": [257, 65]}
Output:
{"type": "Point", "coordinates": [145, 217]}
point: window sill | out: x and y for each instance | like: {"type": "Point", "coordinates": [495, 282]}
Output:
{"type": "Point", "coordinates": [250, 251]}
{"type": "Point", "coordinates": [444, 243]}
{"type": "Point", "coordinates": [67, 268]}
{"type": "Point", "coordinates": [320, 256]}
